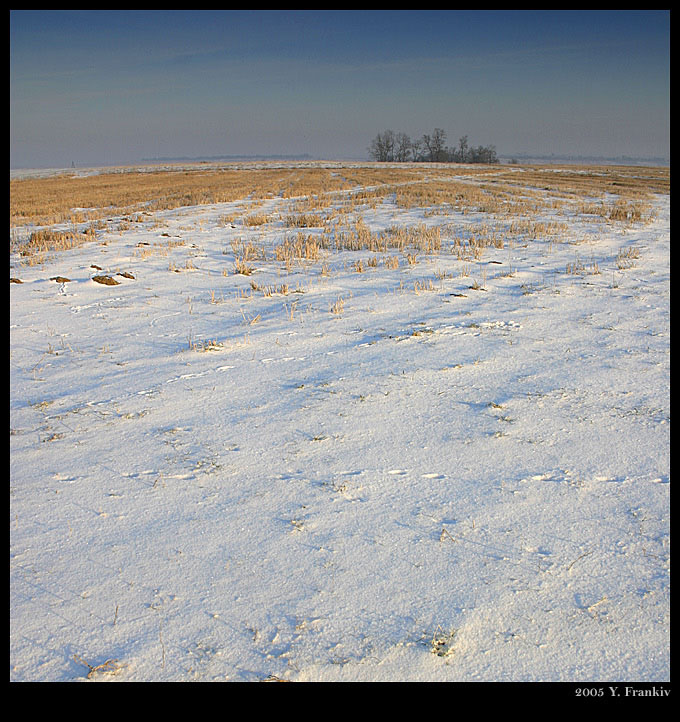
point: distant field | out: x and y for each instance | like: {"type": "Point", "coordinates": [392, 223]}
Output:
{"type": "Point", "coordinates": [83, 198]}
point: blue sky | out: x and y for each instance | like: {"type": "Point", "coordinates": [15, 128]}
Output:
{"type": "Point", "coordinates": [99, 87]}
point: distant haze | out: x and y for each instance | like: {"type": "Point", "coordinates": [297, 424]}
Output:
{"type": "Point", "coordinates": [116, 87]}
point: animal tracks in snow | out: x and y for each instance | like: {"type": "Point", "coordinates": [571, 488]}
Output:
{"type": "Point", "coordinates": [422, 331]}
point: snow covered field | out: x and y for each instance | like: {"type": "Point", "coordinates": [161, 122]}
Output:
{"type": "Point", "coordinates": [415, 464]}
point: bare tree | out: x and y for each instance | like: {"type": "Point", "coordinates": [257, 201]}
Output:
{"type": "Point", "coordinates": [462, 155]}
{"type": "Point", "coordinates": [439, 145]}
{"type": "Point", "coordinates": [382, 146]}
{"type": "Point", "coordinates": [402, 147]}
{"type": "Point", "coordinates": [417, 149]}
{"type": "Point", "coordinates": [390, 146]}
{"type": "Point", "coordinates": [482, 154]}
{"type": "Point", "coordinates": [435, 145]}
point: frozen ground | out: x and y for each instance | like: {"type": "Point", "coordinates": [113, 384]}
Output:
{"type": "Point", "coordinates": [450, 478]}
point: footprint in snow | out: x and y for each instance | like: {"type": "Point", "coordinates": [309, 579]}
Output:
{"type": "Point", "coordinates": [64, 478]}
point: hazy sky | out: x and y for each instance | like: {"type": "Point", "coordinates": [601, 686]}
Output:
{"type": "Point", "coordinates": [116, 86]}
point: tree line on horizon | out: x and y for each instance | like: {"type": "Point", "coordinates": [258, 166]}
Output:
{"type": "Point", "coordinates": [391, 147]}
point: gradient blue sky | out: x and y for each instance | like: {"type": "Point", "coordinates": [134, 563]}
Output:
{"type": "Point", "coordinates": [116, 86]}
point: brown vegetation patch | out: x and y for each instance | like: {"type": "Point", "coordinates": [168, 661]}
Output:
{"type": "Point", "coordinates": [46, 201]}
{"type": "Point", "coordinates": [106, 280]}
{"type": "Point", "coordinates": [46, 240]}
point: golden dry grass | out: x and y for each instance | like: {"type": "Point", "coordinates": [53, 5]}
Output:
{"type": "Point", "coordinates": [56, 199]}
{"type": "Point", "coordinates": [45, 240]}
{"type": "Point", "coordinates": [628, 181]}
{"type": "Point", "coordinates": [613, 193]}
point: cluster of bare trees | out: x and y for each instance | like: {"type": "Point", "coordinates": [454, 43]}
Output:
{"type": "Point", "coordinates": [389, 146]}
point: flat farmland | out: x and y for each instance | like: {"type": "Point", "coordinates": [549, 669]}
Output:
{"type": "Point", "coordinates": [340, 422]}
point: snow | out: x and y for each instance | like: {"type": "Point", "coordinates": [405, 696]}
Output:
{"type": "Point", "coordinates": [439, 483]}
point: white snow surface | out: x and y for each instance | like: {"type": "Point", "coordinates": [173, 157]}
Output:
{"type": "Point", "coordinates": [455, 484]}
